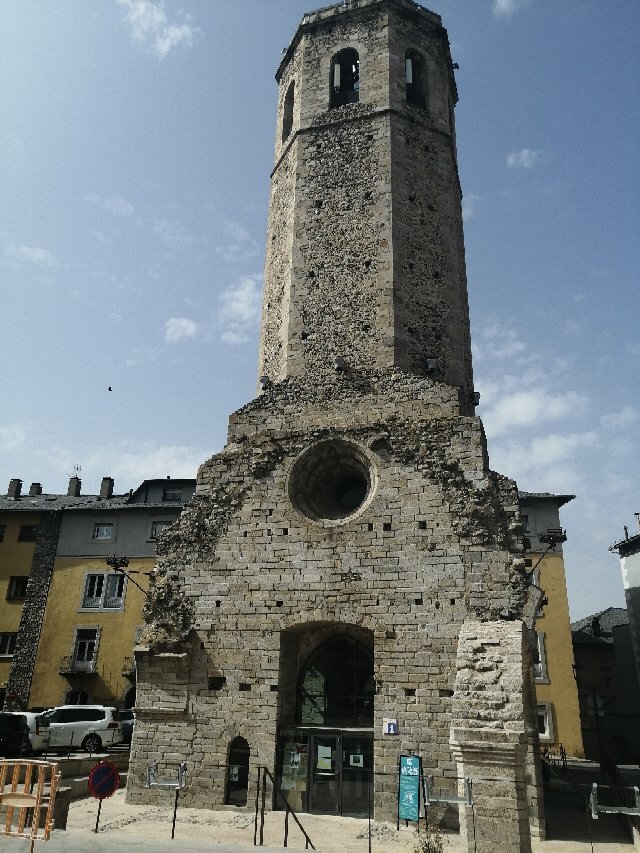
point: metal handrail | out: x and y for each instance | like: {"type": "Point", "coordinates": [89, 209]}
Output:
{"type": "Point", "coordinates": [261, 797]}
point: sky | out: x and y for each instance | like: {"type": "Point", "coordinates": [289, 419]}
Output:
{"type": "Point", "coordinates": [136, 142]}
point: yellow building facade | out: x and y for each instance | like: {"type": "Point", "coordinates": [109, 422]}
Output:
{"type": "Point", "coordinates": [68, 619]}
{"type": "Point", "coordinates": [18, 532]}
{"type": "Point", "coordinates": [85, 654]}
{"type": "Point", "coordinates": [556, 690]}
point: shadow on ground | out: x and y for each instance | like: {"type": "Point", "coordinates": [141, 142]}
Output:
{"type": "Point", "coordinates": [567, 809]}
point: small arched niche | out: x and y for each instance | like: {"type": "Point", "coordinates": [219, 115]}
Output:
{"type": "Point", "coordinates": [287, 110]}
{"type": "Point", "coordinates": [237, 772]}
{"type": "Point", "coordinates": [415, 70]}
{"type": "Point", "coordinates": [345, 78]}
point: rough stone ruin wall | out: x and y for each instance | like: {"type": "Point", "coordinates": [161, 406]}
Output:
{"type": "Point", "coordinates": [433, 546]}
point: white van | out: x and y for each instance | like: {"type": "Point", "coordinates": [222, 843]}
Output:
{"type": "Point", "coordinates": [88, 727]}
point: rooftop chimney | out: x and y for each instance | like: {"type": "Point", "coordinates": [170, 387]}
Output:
{"type": "Point", "coordinates": [15, 487]}
{"type": "Point", "coordinates": [74, 487]}
{"type": "Point", "coordinates": [35, 489]}
{"type": "Point", "coordinates": [106, 488]}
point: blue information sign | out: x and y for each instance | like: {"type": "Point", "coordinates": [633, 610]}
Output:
{"type": "Point", "coordinates": [409, 788]}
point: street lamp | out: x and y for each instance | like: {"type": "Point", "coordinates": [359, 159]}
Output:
{"type": "Point", "coordinates": [118, 564]}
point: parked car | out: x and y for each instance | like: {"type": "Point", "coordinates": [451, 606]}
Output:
{"type": "Point", "coordinates": [38, 735]}
{"type": "Point", "coordinates": [14, 735]}
{"type": "Point", "coordinates": [88, 727]}
{"type": "Point", "coordinates": [128, 719]}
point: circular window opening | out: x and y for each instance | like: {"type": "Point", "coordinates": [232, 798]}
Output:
{"type": "Point", "coordinates": [331, 481]}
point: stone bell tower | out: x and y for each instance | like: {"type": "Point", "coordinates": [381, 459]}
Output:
{"type": "Point", "coordinates": [348, 583]}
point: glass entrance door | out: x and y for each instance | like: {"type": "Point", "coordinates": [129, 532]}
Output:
{"type": "Point", "coordinates": [324, 774]}
{"type": "Point", "coordinates": [357, 770]}
{"type": "Point", "coordinates": [340, 772]}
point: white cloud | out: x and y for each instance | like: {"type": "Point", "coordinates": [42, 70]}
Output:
{"type": "Point", "coordinates": [496, 341]}
{"type": "Point", "coordinates": [526, 158]}
{"type": "Point", "coordinates": [32, 254]}
{"type": "Point", "coordinates": [130, 462]}
{"type": "Point", "coordinates": [552, 462]}
{"type": "Point", "coordinates": [118, 206]}
{"type": "Point", "coordinates": [506, 8]}
{"type": "Point", "coordinates": [530, 408]}
{"type": "Point", "coordinates": [150, 27]}
{"type": "Point", "coordinates": [178, 328]}
{"type": "Point", "coordinates": [469, 203]}
{"type": "Point", "coordinates": [115, 204]}
{"type": "Point", "coordinates": [11, 436]}
{"type": "Point", "coordinates": [626, 417]}
{"type": "Point", "coordinates": [240, 308]}
{"type": "Point", "coordinates": [238, 243]}
{"type": "Point", "coordinates": [172, 232]}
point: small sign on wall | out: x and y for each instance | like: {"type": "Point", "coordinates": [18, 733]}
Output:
{"type": "Point", "coordinates": [389, 726]}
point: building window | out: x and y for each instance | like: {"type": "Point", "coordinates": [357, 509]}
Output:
{"type": "Point", "coordinates": [157, 527]}
{"type": "Point", "coordinates": [3, 527]}
{"type": "Point", "coordinates": [545, 722]}
{"type": "Point", "coordinates": [337, 687]}
{"type": "Point", "coordinates": [85, 649]}
{"type": "Point", "coordinates": [7, 645]}
{"type": "Point", "coordinates": [345, 78]}
{"type": "Point", "coordinates": [103, 592]}
{"type": "Point", "coordinates": [525, 522]}
{"type": "Point", "coordinates": [540, 659]}
{"type": "Point", "coordinates": [415, 79]}
{"type": "Point", "coordinates": [28, 533]}
{"type": "Point", "coordinates": [287, 111]}
{"type": "Point", "coordinates": [17, 588]}
{"type": "Point", "coordinates": [102, 532]}
{"type": "Point", "coordinates": [170, 493]}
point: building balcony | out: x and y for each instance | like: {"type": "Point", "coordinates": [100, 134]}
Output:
{"type": "Point", "coordinates": [129, 668]}
{"type": "Point", "coordinates": [70, 666]}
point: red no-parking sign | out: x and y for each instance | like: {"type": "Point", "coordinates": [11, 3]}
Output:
{"type": "Point", "coordinates": [104, 780]}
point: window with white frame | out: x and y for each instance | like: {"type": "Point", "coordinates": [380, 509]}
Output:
{"type": "Point", "coordinates": [85, 649]}
{"type": "Point", "coordinates": [102, 531]}
{"type": "Point", "coordinates": [545, 721]}
{"type": "Point", "coordinates": [103, 592]}
{"type": "Point", "coordinates": [540, 661]}
{"type": "Point", "coordinates": [7, 644]}
{"type": "Point", "coordinates": [157, 528]}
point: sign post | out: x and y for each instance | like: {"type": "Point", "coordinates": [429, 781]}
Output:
{"type": "Point", "coordinates": [104, 781]}
{"type": "Point", "coordinates": [409, 776]}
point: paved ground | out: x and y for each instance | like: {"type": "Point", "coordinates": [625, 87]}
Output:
{"type": "Point", "coordinates": [147, 829]}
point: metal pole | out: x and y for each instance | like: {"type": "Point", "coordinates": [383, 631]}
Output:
{"type": "Point", "coordinates": [255, 821]}
{"type": "Point", "coordinates": [286, 824]}
{"type": "Point", "coordinates": [369, 788]}
{"type": "Point", "coordinates": [98, 817]}
{"type": "Point", "coordinates": [175, 809]}
{"type": "Point", "coordinates": [263, 804]}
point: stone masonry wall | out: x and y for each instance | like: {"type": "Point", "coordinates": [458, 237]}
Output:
{"type": "Point", "coordinates": [24, 657]}
{"type": "Point", "coordinates": [435, 541]}
{"type": "Point", "coordinates": [375, 274]}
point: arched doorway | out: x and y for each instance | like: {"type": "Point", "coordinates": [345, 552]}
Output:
{"type": "Point", "coordinates": [326, 758]}
{"type": "Point", "coordinates": [237, 773]}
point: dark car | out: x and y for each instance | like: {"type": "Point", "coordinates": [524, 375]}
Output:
{"type": "Point", "coordinates": [127, 718]}
{"type": "Point", "coordinates": [14, 735]}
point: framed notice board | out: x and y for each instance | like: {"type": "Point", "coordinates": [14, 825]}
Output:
{"type": "Point", "coordinates": [409, 782]}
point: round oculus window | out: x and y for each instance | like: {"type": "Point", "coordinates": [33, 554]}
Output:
{"type": "Point", "coordinates": [331, 481]}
